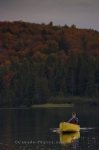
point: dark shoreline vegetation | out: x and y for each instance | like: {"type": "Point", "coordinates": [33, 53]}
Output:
{"type": "Point", "coordinates": [42, 64]}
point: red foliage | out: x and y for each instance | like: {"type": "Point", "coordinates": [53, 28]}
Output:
{"type": "Point", "coordinates": [7, 78]}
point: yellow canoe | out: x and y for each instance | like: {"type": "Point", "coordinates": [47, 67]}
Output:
{"type": "Point", "coordinates": [68, 127]}
{"type": "Point", "coordinates": [69, 138]}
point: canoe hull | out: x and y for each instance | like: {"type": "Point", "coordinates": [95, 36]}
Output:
{"type": "Point", "coordinates": [68, 127]}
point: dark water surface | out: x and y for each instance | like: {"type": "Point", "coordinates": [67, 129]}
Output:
{"type": "Point", "coordinates": [36, 129]}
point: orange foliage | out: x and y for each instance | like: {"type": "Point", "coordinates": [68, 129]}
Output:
{"type": "Point", "coordinates": [21, 39]}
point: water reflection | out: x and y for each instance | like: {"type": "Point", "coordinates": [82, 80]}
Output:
{"type": "Point", "coordinates": [69, 138]}
{"type": "Point", "coordinates": [6, 132]}
{"type": "Point", "coordinates": [30, 130]}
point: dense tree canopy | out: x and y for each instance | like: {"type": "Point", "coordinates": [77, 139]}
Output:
{"type": "Point", "coordinates": [39, 61]}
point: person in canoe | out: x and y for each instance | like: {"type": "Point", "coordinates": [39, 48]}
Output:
{"type": "Point", "coordinates": [73, 119]}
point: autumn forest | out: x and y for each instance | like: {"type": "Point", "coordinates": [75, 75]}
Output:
{"type": "Point", "coordinates": [40, 63]}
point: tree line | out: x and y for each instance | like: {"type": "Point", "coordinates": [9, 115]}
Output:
{"type": "Point", "coordinates": [39, 62]}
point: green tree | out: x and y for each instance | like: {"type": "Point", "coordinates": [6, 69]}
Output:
{"type": "Point", "coordinates": [41, 90]}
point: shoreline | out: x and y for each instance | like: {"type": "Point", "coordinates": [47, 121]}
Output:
{"type": "Point", "coordinates": [58, 102]}
{"type": "Point", "coordinates": [50, 105]}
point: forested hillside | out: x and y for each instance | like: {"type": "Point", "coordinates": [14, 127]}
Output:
{"type": "Point", "coordinates": [39, 62]}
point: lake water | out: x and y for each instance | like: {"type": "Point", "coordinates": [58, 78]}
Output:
{"type": "Point", "coordinates": [36, 129]}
